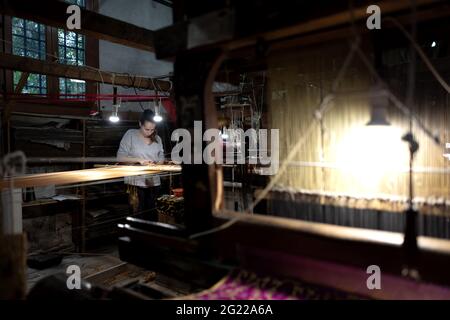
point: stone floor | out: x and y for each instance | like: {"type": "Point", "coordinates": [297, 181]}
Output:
{"type": "Point", "coordinates": [102, 267]}
{"type": "Point", "coordinates": [90, 263]}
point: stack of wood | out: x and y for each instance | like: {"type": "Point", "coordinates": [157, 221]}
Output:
{"type": "Point", "coordinates": [170, 209]}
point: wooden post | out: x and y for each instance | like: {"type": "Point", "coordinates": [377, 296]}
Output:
{"type": "Point", "coordinates": [12, 246]}
{"type": "Point", "coordinates": [83, 201]}
{"type": "Point", "coordinates": [12, 198]}
{"type": "Point", "coordinates": [12, 267]}
{"type": "Point", "coordinates": [194, 75]}
{"type": "Point", "coordinates": [12, 211]}
{"type": "Point", "coordinates": [9, 106]}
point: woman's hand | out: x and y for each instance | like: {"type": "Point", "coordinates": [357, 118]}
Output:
{"type": "Point", "coordinates": [143, 162]}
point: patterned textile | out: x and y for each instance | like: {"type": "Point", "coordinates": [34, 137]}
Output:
{"type": "Point", "coordinates": [246, 285]}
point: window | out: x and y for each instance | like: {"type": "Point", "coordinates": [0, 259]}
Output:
{"type": "Point", "coordinates": [71, 47]}
{"type": "Point", "coordinates": [36, 83]}
{"type": "Point", "coordinates": [80, 3]}
{"type": "Point", "coordinates": [71, 50]}
{"type": "Point", "coordinates": [28, 40]}
{"type": "Point", "coordinates": [38, 41]}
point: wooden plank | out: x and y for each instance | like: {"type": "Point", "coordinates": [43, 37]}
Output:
{"type": "Point", "coordinates": [13, 62]}
{"type": "Point", "coordinates": [53, 13]}
{"type": "Point", "coordinates": [47, 207]}
{"type": "Point", "coordinates": [341, 245]}
{"type": "Point", "coordinates": [78, 176]}
{"type": "Point", "coordinates": [318, 229]}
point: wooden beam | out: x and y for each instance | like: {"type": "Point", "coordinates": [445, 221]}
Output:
{"type": "Point", "coordinates": [22, 82]}
{"type": "Point", "coordinates": [246, 32]}
{"type": "Point", "coordinates": [86, 175]}
{"type": "Point", "coordinates": [330, 21]}
{"type": "Point", "coordinates": [69, 109]}
{"type": "Point", "coordinates": [346, 32]}
{"type": "Point", "coordinates": [336, 244]}
{"type": "Point", "coordinates": [53, 13]}
{"type": "Point", "coordinates": [13, 62]}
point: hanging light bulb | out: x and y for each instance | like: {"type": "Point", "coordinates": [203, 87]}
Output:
{"type": "Point", "coordinates": [114, 117]}
{"type": "Point", "coordinates": [224, 134]}
{"type": "Point", "coordinates": [157, 117]}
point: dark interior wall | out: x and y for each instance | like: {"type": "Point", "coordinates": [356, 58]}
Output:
{"type": "Point", "coordinates": [50, 137]}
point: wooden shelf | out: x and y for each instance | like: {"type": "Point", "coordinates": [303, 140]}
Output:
{"type": "Point", "coordinates": [42, 208]}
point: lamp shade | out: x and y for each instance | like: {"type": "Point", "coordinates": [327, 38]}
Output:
{"type": "Point", "coordinates": [114, 117]}
{"type": "Point", "coordinates": [378, 117]}
{"type": "Point", "coordinates": [379, 102]}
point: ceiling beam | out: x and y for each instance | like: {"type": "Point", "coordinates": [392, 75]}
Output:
{"type": "Point", "coordinates": [13, 62]}
{"type": "Point", "coordinates": [241, 28]}
{"type": "Point", "coordinates": [69, 109]}
{"type": "Point", "coordinates": [338, 19]}
{"type": "Point", "coordinates": [53, 13]}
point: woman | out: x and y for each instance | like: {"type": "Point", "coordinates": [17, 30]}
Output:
{"type": "Point", "coordinates": [143, 146]}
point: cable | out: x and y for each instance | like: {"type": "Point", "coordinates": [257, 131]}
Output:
{"type": "Point", "coordinates": [140, 104]}
{"type": "Point", "coordinates": [216, 229]}
{"type": "Point", "coordinates": [397, 103]}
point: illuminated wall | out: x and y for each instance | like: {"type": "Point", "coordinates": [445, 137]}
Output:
{"type": "Point", "coordinates": [346, 156]}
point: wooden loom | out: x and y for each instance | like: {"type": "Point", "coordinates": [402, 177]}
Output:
{"type": "Point", "coordinates": [328, 255]}
{"type": "Point", "coordinates": [86, 175]}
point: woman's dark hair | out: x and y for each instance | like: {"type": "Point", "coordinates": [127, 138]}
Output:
{"type": "Point", "coordinates": [147, 115]}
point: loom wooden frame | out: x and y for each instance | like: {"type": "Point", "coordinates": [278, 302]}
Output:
{"type": "Point", "coordinates": [85, 175]}
{"type": "Point", "coordinates": [352, 246]}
